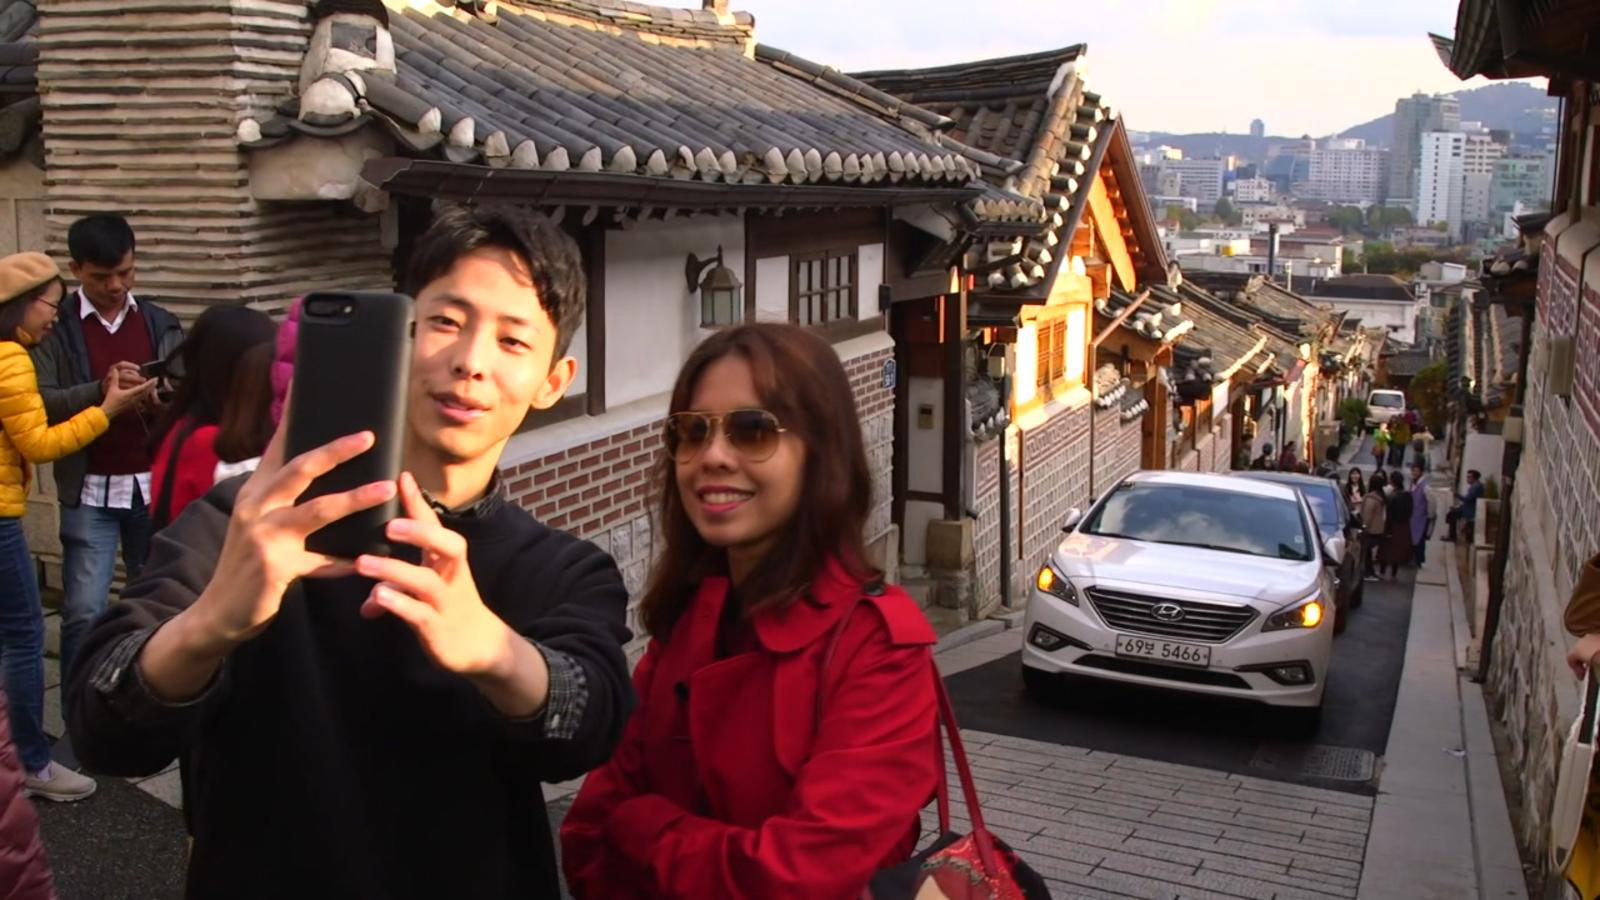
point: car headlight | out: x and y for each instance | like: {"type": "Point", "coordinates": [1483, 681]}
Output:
{"type": "Point", "coordinates": [1055, 584]}
{"type": "Point", "coordinates": [1308, 613]}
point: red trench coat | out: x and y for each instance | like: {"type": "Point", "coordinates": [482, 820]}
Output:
{"type": "Point", "coordinates": [24, 870]}
{"type": "Point", "coordinates": [724, 785]}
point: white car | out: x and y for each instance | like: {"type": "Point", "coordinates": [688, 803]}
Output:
{"type": "Point", "coordinates": [1202, 583]}
{"type": "Point", "coordinates": [1384, 405]}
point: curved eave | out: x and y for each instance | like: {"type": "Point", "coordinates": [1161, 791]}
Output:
{"type": "Point", "coordinates": [465, 182]}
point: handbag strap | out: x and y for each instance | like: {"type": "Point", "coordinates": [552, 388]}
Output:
{"type": "Point", "coordinates": [945, 725]}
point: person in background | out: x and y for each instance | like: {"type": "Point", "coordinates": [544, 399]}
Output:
{"type": "Point", "coordinates": [1354, 488]}
{"type": "Point", "coordinates": [1421, 514]}
{"type": "Point", "coordinates": [24, 867]}
{"type": "Point", "coordinates": [1582, 620]}
{"type": "Point", "coordinates": [221, 410]}
{"type": "Point", "coordinates": [30, 295]}
{"type": "Point", "coordinates": [760, 763]}
{"type": "Point", "coordinates": [1330, 465]}
{"type": "Point", "coordinates": [1396, 548]}
{"type": "Point", "coordinates": [1400, 439]}
{"type": "Point", "coordinates": [1265, 460]}
{"type": "Point", "coordinates": [104, 491]}
{"type": "Point", "coordinates": [1374, 508]}
{"type": "Point", "coordinates": [1380, 445]}
{"type": "Point", "coordinates": [1463, 516]}
{"type": "Point", "coordinates": [1288, 460]}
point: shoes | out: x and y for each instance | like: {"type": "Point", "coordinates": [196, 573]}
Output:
{"type": "Point", "coordinates": [59, 783]}
{"type": "Point", "coordinates": [1371, 577]}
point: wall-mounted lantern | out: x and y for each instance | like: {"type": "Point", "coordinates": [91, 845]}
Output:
{"type": "Point", "coordinates": [721, 292]}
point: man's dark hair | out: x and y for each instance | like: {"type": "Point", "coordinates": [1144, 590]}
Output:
{"type": "Point", "coordinates": [551, 254]}
{"type": "Point", "coordinates": [1474, 474]}
{"type": "Point", "coordinates": [101, 240]}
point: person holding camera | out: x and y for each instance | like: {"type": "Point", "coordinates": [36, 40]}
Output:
{"type": "Point", "coordinates": [381, 726]}
{"type": "Point", "coordinates": [103, 336]}
{"type": "Point", "coordinates": [30, 295]}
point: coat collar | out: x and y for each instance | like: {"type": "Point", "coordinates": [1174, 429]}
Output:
{"type": "Point", "coordinates": [797, 625]}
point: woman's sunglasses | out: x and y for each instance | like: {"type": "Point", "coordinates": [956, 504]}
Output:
{"type": "Point", "coordinates": [754, 433]}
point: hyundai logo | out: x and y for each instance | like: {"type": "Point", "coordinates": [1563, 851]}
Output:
{"type": "Point", "coordinates": [1167, 612]}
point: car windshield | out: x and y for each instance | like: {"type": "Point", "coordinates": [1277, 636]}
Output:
{"type": "Point", "coordinates": [1386, 400]}
{"type": "Point", "coordinates": [1193, 516]}
{"type": "Point", "coordinates": [1324, 507]}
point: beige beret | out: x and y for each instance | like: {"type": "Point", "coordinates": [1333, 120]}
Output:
{"type": "Point", "coordinates": [22, 272]}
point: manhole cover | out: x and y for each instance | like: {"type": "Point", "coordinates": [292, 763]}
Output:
{"type": "Point", "coordinates": [1317, 761]}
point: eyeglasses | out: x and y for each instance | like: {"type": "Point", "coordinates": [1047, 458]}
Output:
{"type": "Point", "coordinates": [754, 433]}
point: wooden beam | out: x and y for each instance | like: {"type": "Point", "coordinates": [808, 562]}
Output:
{"type": "Point", "coordinates": [1108, 229]}
{"type": "Point", "coordinates": [954, 308]}
{"type": "Point", "coordinates": [1125, 315]}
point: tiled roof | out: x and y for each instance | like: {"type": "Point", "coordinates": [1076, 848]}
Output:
{"type": "Point", "coordinates": [621, 88]}
{"type": "Point", "coordinates": [1214, 346]}
{"type": "Point", "coordinates": [1039, 136]}
{"type": "Point", "coordinates": [1159, 318]}
{"type": "Point", "coordinates": [1281, 309]}
{"type": "Point", "coordinates": [1406, 363]}
{"type": "Point", "coordinates": [1364, 287]}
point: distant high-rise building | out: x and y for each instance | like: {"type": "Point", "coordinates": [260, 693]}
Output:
{"type": "Point", "coordinates": [1477, 173]}
{"type": "Point", "coordinates": [1199, 178]}
{"type": "Point", "coordinates": [1258, 128]}
{"type": "Point", "coordinates": [1347, 171]}
{"type": "Point", "coordinates": [1524, 180]}
{"type": "Point", "coordinates": [1441, 180]}
{"type": "Point", "coordinates": [1415, 116]}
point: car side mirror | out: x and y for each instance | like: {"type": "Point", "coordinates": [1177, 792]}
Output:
{"type": "Point", "coordinates": [1074, 516]}
{"type": "Point", "coordinates": [1333, 550]}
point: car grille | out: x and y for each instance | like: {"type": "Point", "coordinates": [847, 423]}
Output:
{"type": "Point", "coordinates": [1211, 623]}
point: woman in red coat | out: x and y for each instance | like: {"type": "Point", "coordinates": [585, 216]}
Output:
{"type": "Point", "coordinates": [750, 769]}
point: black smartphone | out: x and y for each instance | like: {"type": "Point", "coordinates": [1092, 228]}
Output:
{"type": "Point", "coordinates": [155, 368]}
{"type": "Point", "coordinates": [351, 365]}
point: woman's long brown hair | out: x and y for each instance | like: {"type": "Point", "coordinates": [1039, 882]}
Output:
{"type": "Point", "coordinates": [800, 380]}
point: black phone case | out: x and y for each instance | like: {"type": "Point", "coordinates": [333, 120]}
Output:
{"type": "Point", "coordinates": [352, 365]}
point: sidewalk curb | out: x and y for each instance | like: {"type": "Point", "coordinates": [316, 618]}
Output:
{"type": "Point", "coordinates": [966, 634]}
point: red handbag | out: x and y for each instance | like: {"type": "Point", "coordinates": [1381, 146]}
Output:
{"type": "Point", "coordinates": [973, 866]}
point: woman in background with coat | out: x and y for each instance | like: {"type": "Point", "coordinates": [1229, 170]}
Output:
{"type": "Point", "coordinates": [1396, 549]}
{"type": "Point", "coordinates": [1373, 510]}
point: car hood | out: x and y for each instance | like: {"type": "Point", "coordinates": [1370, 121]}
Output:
{"type": "Point", "coordinates": [1089, 559]}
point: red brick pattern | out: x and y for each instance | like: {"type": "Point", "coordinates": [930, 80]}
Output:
{"type": "Point", "coordinates": [1055, 477]}
{"type": "Point", "coordinates": [590, 488]}
{"type": "Point", "coordinates": [1116, 448]}
{"type": "Point", "coordinates": [1587, 389]}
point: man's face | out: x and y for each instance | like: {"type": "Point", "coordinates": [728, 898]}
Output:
{"type": "Point", "coordinates": [106, 286]}
{"type": "Point", "coordinates": [482, 356]}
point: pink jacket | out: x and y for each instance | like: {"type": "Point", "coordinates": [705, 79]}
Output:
{"type": "Point", "coordinates": [283, 360]}
{"type": "Point", "coordinates": [24, 869]}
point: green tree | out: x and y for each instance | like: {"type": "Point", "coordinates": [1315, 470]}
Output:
{"type": "Point", "coordinates": [1383, 217]}
{"type": "Point", "coordinates": [1225, 212]}
{"type": "Point", "coordinates": [1346, 218]}
{"type": "Point", "coordinates": [1427, 394]}
{"type": "Point", "coordinates": [1187, 221]}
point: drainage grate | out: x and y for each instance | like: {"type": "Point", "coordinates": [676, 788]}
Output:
{"type": "Point", "coordinates": [1317, 761]}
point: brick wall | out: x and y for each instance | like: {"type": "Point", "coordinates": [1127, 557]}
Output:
{"type": "Point", "coordinates": [604, 490]}
{"type": "Point", "coordinates": [986, 532]}
{"type": "Point", "coordinates": [1116, 448]}
{"type": "Point", "coordinates": [1055, 478]}
{"type": "Point", "coordinates": [1556, 527]}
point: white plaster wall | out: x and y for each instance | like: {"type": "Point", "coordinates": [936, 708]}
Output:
{"type": "Point", "coordinates": [772, 289]}
{"type": "Point", "coordinates": [579, 350]}
{"type": "Point", "coordinates": [652, 322]}
{"type": "Point", "coordinates": [869, 268]}
{"type": "Point", "coordinates": [1401, 316]}
{"type": "Point", "coordinates": [924, 448]}
{"type": "Point", "coordinates": [914, 540]}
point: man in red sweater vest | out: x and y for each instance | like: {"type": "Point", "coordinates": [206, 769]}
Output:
{"type": "Point", "coordinates": [103, 333]}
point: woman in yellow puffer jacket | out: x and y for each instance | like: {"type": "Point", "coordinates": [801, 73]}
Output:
{"type": "Point", "coordinates": [30, 290]}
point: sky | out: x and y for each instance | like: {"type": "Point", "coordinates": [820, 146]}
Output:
{"type": "Point", "coordinates": [1302, 66]}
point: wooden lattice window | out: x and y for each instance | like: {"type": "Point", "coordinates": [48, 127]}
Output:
{"type": "Point", "coordinates": [823, 287]}
{"type": "Point", "coordinates": [1062, 347]}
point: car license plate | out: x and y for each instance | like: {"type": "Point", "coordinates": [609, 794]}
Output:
{"type": "Point", "coordinates": [1164, 651]}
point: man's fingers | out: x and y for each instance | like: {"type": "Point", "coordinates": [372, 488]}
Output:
{"type": "Point", "coordinates": [291, 481]}
{"type": "Point", "coordinates": [416, 505]}
{"type": "Point", "coordinates": [420, 582]}
{"type": "Point", "coordinates": [314, 514]}
{"type": "Point", "coordinates": [385, 599]}
{"type": "Point", "coordinates": [431, 537]}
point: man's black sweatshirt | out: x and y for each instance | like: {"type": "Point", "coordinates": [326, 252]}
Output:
{"type": "Point", "coordinates": [331, 757]}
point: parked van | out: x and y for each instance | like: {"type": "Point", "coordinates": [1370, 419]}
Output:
{"type": "Point", "coordinates": [1383, 406]}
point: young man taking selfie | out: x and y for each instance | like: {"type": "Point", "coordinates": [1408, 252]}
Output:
{"type": "Point", "coordinates": [379, 727]}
